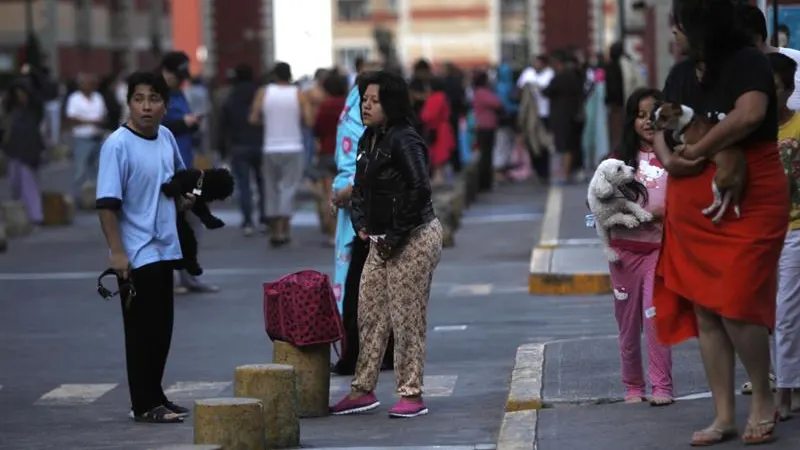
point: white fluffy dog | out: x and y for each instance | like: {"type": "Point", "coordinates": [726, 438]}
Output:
{"type": "Point", "coordinates": [613, 199]}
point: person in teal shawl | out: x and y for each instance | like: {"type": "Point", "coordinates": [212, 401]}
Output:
{"type": "Point", "coordinates": [347, 136]}
{"type": "Point", "coordinates": [350, 252]}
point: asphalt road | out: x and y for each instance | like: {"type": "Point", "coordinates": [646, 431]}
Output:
{"type": "Point", "coordinates": [62, 365]}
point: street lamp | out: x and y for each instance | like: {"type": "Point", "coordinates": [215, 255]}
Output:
{"type": "Point", "coordinates": [33, 54]}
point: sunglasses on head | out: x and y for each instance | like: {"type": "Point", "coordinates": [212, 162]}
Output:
{"type": "Point", "coordinates": [125, 287]}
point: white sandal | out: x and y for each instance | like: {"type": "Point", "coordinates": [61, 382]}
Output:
{"type": "Point", "coordinates": [747, 388]}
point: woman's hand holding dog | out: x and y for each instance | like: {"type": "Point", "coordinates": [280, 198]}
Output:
{"type": "Point", "coordinates": [679, 165]}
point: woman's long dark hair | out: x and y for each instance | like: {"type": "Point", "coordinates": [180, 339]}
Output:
{"type": "Point", "coordinates": [628, 150]}
{"type": "Point", "coordinates": [714, 31]}
{"type": "Point", "coordinates": [395, 98]}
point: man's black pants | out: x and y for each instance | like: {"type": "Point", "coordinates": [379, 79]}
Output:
{"type": "Point", "coordinates": [485, 139]}
{"type": "Point", "coordinates": [148, 333]}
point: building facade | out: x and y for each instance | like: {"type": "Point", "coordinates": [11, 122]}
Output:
{"type": "Point", "coordinates": [98, 36]}
{"type": "Point", "coordinates": [468, 33]}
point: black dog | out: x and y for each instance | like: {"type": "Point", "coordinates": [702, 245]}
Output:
{"type": "Point", "coordinates": [207, 186]}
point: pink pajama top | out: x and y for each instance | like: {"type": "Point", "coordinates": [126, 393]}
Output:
{"type": "Point", "coordinates": [647, 237]}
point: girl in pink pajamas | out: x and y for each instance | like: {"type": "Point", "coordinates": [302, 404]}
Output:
{"type": "Point", "coordinates": [638, 248]}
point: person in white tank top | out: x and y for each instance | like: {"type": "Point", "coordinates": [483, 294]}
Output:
{"type": "Point", "coordinates": [279, 107]}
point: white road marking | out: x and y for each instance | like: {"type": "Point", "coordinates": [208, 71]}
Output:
{"type": "Point", "coordinates": [470, 290]}
{"type": "Point", "coordinates": [450, 328]}
{"type": "Point", "coordinates": [500, 218]}
{"type": "Point", "coordinates": [433, 385]}
{"type": "Point", "coordinates": [191, 389]}
{"type": "Point", "coordinates": [439, 385]}
{"type": "Point", "coordinates": [75, 394]}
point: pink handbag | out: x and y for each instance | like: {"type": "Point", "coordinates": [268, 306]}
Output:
{"type": "Point", "coordinates": [300, 308]}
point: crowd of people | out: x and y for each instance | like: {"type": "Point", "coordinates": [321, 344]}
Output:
{"type": "Point", "coordinates": [373, 147]}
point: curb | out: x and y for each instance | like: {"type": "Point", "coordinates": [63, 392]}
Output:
{"type": "Point", "coordinates": [518, 429]}
{"type": "Point", "coordinates": [541, 279]}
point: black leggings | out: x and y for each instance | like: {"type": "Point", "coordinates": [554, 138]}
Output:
{"type": "Point", "coordinates": [148, 333]}
{"type": "Point", "coordinates": [347, 363]}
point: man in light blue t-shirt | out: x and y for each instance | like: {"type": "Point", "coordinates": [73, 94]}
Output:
{"type": "Point", "coordinates": [139, 224]}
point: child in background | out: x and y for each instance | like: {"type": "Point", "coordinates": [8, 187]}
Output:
{"type": "Point", "coordinates": [632, 277]}
{"type": "Point", "coordinates": [787, 314]}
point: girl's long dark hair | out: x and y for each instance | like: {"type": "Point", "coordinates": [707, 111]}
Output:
{"type": "Point", "coordinates": [628, 150]}
{"type": "Point", "coordinates": [714, 31]}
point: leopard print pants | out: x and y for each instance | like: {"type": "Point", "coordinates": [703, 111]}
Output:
{"type": "Point", "coordinates": [393, 295]}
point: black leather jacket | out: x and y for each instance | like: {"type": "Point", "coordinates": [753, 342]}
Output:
{"type": "Point", "coordinates": [392, 191]}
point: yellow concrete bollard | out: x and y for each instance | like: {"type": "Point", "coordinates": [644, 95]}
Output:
{"type": "Point", "coordinates": [15, 217]}
{"type": "Point", "coordinates": [275, 386]}
{"type": "Point", "coordinates": [312, 366]}
{"type": "Point", "coordinates": [88, 196]}
{"type": "Point", "coordinates": [58, 208]}
{"type": "Point", "coordinates": [233, 423]}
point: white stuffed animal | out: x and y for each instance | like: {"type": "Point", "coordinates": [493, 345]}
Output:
{"type": "Point", "coordinates": [613, 199]}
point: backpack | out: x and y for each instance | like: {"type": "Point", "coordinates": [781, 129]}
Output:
{"type": "Point", "coordinates": [300, 309]}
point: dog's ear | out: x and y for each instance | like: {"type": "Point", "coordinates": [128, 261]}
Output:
{"type": "Point", "coordinates": [602, 188]}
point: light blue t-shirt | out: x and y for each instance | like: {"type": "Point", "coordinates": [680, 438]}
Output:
{"type": "Point", "coordinates": [132, 169]}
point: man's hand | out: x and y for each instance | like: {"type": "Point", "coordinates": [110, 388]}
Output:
{"type": "Point", "coordinates": [362, 234]}
{"type": "Point", "coordinates": [119, 262]}
{"type": "Point", "coordinates": [191, 120]}
{"type": "Point", "coordinates": [186, 202]}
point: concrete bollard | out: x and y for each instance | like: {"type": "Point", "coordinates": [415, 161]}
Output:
{"type": "Point", "coordinates": [312, 366]}
{"type": "Point", "coordinates": [15, 217]}
{"type": "Point", "coordinates": [58, 208]}
{"type": "Point", "coordinates": [275, 386]}
{"type": "Point", "coordinates": [189, 447]}
{"type": "Point", "coordinates": [444, 206]}
{"type": "Point", "coordinates": [233, 423]}
{"type": "Point", "coordinates": [88, 196]}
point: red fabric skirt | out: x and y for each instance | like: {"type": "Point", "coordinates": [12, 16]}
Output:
{"type": "Point", "coordinates": [730, 268]}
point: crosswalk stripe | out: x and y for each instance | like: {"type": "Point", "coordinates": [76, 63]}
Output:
{"type": "Point", "coordinates": [433, 385]}
{"type": "Point", "coordinates": [193, 389]}
{"type": "Point", "coordinates": [470, 289]}
{"type": "Point", "coordinates": [75, 394]}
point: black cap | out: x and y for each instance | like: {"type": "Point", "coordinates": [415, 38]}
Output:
{"type": "Point", "coordinates": [177, 63]}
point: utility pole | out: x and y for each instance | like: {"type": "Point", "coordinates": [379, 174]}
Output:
{"type": "Point", "coordinates": [775, 23]}
{"type": "Point", "coordinates": [622, 19]}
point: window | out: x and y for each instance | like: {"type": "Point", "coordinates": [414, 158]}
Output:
{"type": "Point", "coordinates": [346, 57]}
{"type": "Point", "coordinates": [392, 5]}
{"type": "Point", "coordinates": [512, 6]}
{"type": "Point", "coordinates": [353, 9]}
{"type": "Point", "coordinates": [514, 51]}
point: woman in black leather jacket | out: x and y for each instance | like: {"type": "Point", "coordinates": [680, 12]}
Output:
{"type": "Point", "coordinates": [391, 206]}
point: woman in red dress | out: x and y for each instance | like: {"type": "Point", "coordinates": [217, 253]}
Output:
{"type": "Point", "coordinates": [435, 117]}
{"type": "Point", "coordinates": [718, 282]}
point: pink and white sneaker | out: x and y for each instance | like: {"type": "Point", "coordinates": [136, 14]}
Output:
{"type": "Point", "coordinates": [406, 409]}
{"type": "Point", "coordinates": [366, 402]}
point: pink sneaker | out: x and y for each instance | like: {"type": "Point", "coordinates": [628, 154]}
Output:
{"type": "Point", "coordinates": [366, 402]}
{"type": "Point", "coordinates": [406, 409]}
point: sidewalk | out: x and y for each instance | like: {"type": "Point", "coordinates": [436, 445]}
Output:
{"type": "Point", "coordinates": [641, 427]}
{"type": "Point", "coordinates": [568, 259]}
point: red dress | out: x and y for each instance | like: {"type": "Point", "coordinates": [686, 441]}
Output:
{"type": "Point", "coordinates": [730, 268]}
{"type": "Point", "coordinates": [435, 116]}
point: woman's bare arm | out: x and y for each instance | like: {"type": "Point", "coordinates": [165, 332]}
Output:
{"type": "Point", "coordinates": [746, 116]}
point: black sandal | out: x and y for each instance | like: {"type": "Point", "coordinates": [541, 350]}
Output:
{"type": "Point", "coordinates": [177, 409]}
{"type": "Point", "coordinates": [159, 414]}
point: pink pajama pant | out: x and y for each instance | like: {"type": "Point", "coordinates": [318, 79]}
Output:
{"type": "Point", "coordinates": [632, 280]}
